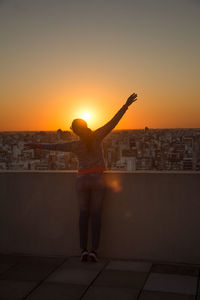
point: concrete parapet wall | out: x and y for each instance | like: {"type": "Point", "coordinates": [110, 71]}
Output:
{"type": "Point", "coordinates": [146, 215]}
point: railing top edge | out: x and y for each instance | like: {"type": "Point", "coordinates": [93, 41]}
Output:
{"type": "Point", "coordinates": [107, 172]}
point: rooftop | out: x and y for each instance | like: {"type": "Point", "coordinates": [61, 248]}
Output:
{"type": "Point", "coordinates": [61, 278]}
{"type": "Point", "coordinates": [149, 245]}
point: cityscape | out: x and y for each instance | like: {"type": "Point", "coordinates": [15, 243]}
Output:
{"type": "Point", "coordinates": [124, 150]}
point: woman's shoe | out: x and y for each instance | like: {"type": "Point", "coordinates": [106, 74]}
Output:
{"type": "Point", "coordinates": [84, 255]}
{"type": "Point", "coordinates": [93, 256]}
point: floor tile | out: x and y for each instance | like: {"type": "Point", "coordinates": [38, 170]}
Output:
{"type": "Point", "coordinates": [175, 269]}
{"type": "Point", "coordinates": [5, 267]}
{"type": "Point", "coordinates": [73, 276]}
{"type": "Point", "coordinates": [122, 279]}
{"type": "Point", "coordinates": [15, 290]}
{"type": "Point", "coordinates": [109, 293]}
{"type": "Point", "coordinates": [172, 283]}
{"type": "Point", "coordinates": [75, 262]}
{"type": "Point", "coordinates": [50, 260]}
{"type": "Point", "coordinates": [148, 295]}
{"type": "Point", "coordinates": [24, 272]}
{"type": "Point", "coordinates": [8, 259]}
{"type": "Point", "coordinates": [57, 291]}
{"type": "Point", "coordinates": [18, 259]}
{"type": "Point", "coordinates": [129, 266]}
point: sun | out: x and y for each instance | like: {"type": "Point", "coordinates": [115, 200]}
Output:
{"type": "Point", "coordinates": [88, 114]}
{"type": "Point", "coordinates": [85, 116]}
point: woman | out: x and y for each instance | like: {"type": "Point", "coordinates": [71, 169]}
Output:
{"type": "Point", "coordinates": [90, 183]}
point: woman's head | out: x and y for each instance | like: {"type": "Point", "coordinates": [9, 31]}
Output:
{"type": "Point", "coordinates": [80, 128]}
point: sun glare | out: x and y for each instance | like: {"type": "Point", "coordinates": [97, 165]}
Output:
{"type": "Point", "coordinates": [89, 115]}
{"type": "Point", "coordinates": [86, 116]}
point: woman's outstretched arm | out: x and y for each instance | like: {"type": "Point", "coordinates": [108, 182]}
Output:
{"type": "Point", "coordinates": [104, 130]}
{"type": "Point", "coordinates": [65, 147]}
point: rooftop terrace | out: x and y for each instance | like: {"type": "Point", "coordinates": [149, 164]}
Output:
{"type": "Point", "coordinates": [150, 244]}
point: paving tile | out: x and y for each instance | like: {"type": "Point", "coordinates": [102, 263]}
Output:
{"type": "Point", "coordinates": [123, 279]}
{"type": "Point", "coordinates": [14, 259]}
{"type": "Point", "coordinates": [109, 293]}
{"type": "Point", "coordinates": [129, 266]}
{"type": "Point", "coordinates": [74, 262]}
{"type": "Point", "coordinates": [148, 295]}
{"type": "Point", "coordinates": [8, 258]}
{"type": "Point", "coordinates": [24, 272]}
{"type": "Point", "coordinates": [54, 260]}
{"type": "Point", "coordinates": [73, 276]}
{"type": "Point", "coordinates": [175, 269]}
{"type": "Point", "coordinates": [172, 283]}
{"type": "Point", "coordinates": [15, 290]}
{"type": "Point", "coordinates": [57, 291]}
{"type": "Point", "coordinates": [5, 267]}
{"type": "Point", "coordinates": [43, 260]}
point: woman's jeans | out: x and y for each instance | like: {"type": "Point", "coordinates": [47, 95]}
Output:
{"type": "Point", "coordinates": [91, 190]}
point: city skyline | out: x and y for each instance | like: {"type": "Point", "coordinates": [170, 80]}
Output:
{"type": "Point", "coordinates": [125, 150]}
{"type": "Point", "coordinates": [60, 59]}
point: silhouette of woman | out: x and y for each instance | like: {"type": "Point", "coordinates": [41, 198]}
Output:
{"type": "Point", "coordinates": [90, 182]}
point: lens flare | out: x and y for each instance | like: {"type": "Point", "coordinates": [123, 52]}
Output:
{"type": "Point", "coordinates": [115, 184]}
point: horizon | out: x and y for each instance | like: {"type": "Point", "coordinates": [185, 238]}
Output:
{"type": "Point", "coordinates": [167, 128]}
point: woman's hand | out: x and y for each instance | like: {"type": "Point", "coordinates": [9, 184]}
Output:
{"type": "Point", "coordinates": [131, 99]}
{"type": "Point", "coordinates": [30, 146]}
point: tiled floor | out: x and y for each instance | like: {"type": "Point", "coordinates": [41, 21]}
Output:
{"type": "Point", "coordinates": [41, 278]}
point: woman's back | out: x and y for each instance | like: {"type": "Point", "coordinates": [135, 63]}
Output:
{"type": "Point", "coordinates": [89, 158]}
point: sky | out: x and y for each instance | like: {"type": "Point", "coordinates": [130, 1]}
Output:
{"type": "Point", "coordinates": [62, 58]}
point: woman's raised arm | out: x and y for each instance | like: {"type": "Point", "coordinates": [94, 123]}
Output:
{"type": "Point", "coordinates": [104, 130]}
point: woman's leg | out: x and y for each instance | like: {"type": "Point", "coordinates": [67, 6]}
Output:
{"type": "Point", "coordinates": [97, 197]}
{"type": "Point", "coordinates": [83, 194]}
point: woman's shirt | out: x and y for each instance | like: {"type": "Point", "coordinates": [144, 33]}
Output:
{"type": "Point", "coordinates": [89, 159]}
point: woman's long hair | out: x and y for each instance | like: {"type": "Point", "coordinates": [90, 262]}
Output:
{"type": "Point", "coordinates": [80, 128]}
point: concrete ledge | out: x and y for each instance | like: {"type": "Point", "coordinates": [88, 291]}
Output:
{"type": "Point", "coordinates": [146, 215]}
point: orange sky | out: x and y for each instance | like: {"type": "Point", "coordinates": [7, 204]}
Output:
{"type": "Point", "coordinates": [61, 59]}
